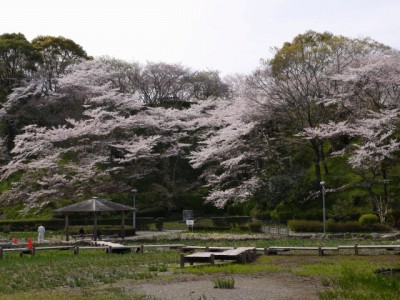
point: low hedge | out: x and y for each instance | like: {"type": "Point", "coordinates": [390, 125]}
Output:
{"type": "Point", "coordinates": [231, 221]}
{"type": "Point", "coordinates": [102, 230]}
{"type": "Point", "coordinates": [142, 223]}
{"type": "Point", "coordinates": [331, 226]}
{"type": "Point", "coordinates": [253, 227]}
{"type": "Point", "coordinates": [211, 228]}
{"type": "Point", "coordinates": [305, 226]}
{"type": "Point", "coordinates": [30, 225]}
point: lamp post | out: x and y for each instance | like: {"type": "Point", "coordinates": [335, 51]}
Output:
{"type": "Point", "coordinates": [134, 191]}
{"type": "Point", "coordinates": [322, 183]}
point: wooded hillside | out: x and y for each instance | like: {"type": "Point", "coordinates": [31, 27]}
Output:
{"type": "Point", "coordinates": [324, 108]}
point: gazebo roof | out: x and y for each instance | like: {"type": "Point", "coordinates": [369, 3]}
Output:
{"type": "Point", "coordinates": [94, 204]}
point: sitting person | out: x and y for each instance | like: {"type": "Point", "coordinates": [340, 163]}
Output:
{"type": "Point", "coordinates": [81, 232]}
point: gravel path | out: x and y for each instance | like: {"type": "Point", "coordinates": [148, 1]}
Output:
{"type": "Point", "coordinates": [276, 286]}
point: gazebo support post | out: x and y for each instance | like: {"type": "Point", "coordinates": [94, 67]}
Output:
{"type": "Point", "coordinates": [95, 227]}
{"type": "Point", "coordinates": [66, 228]}
{"type": "Point", "coordinates": [123, 225]}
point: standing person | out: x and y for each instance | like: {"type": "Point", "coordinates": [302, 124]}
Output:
{"type": "Point", "coordinates": [41, 231]}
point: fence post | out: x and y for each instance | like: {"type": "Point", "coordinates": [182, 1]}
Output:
{"type": "Point", "coordinates": [212, 259]}
{"type": "Point", "coordinates": [76, 250]}
{"type": "Point", "coordinates": [182, 260]}
{"type": "Point", "coordinates": [1, 252]}
{"type": "Point", "coordinates": [356, 249]}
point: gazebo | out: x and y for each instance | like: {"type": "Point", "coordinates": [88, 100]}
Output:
{"type": "Point", "coordinates": [94, 205]}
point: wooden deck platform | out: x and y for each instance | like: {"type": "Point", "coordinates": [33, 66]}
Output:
{"type": "Point", "coordinates": [113, 247]}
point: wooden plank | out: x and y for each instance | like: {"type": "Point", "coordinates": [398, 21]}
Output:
{"type": "Point", "coordinates": [211, 249]}
{"type": "Point", "coordinates": [369, 246]}
{"type": "Point", "coordinates": [197, 257]}
{"type": "Point", "coordinates": [55, 248]}
{"type": "Point", "coordinates": [171, 246]}
{"type": "Point", "coordinates": [93, 248]}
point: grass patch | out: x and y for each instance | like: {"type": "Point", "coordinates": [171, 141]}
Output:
{"type": "Point", "coordinates": [355, 285]}
{"type": "Point", "coordinates": [224, 283]}
{"type": "Point", "coordinates": [61, 269]}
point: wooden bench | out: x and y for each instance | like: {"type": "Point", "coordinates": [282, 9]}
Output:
{"type": "Point", "coordinates": [240, 254]}
{"type": "Point", "coordinates": [197, 257]}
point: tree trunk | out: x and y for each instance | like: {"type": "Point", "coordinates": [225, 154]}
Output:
{"type": "Point", "coordinates": [316, 161]}
{"type": "Point", "coordinates": [322, 154]}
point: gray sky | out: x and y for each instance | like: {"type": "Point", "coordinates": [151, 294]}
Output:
{"type": "Point", "coordinates": [227, 35]}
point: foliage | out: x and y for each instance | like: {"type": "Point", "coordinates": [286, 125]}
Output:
{"type": "Point", "coordinates": [231, 221]}
{"type": "Point", "coordinates": [355, 285]}
{"type": "Point", "coordinates": [305, 226]}
{"type": "Point", "coordinates": [331, 226]}
{"type": "Point", "coordinates": [368, 219]}
{"type": "Point", "coordinates": [324, 107]}
{"type": "Point", "coordinates": [159, 223]}
{"type": "Point", "coordinates": [18, 59]}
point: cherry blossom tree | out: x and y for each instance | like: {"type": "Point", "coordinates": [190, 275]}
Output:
{"type": "Point", "coordinates": [296, 83]}
{"type": "Point", "coordinates": [369, 92]}
{"type": "Point", "coordinates": [116, 133]}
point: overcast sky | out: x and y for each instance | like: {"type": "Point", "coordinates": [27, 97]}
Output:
{"type": "Point", "coordinates": [227, 35]}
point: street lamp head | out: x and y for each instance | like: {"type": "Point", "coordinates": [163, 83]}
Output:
{"type": "Point", "coordinates": [322, 183]}
{"type": "Point", "coordinates": [134, 191]}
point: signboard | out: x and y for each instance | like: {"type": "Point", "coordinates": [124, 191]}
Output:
{"type": "Point", "coordinates": [190, 223]}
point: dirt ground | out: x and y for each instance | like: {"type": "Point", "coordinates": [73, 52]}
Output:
{"type": "Point", "coordinates": [272, 286]}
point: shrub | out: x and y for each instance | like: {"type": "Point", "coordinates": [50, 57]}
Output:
{"type": "Point", "coordinates": [153, 212]}
{"type": "Point", "coordinates": [32, 225]}
{"type": "Point", "coordinates": [210, 228]}
{"type": "Point", "coordinates": [351, 226]}
{"type": "Point", "coordinates": [368, 219]}
{"type": "Point", "coordinates": [143, 223]}
{"type": "Point", "coordinates": [261, 214]}
{"type": "Point", "coordinates": [332, 226]}
{"type": "Point", "coordinates": [282, 213]}
{"type": "Point", "coordinates": [231, 221]}
{"type": "Point", "coordinates": [255, 227]}
{"type": "Point", "coordinates": [159, 222]}
{"type": "Point", "coordinates": [378, 227]}
{"type": "Point", "coordinates": [305, 226]}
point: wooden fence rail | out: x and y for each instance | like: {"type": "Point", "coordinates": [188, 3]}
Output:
{"type": "Point", "coordinates": [199, 253]}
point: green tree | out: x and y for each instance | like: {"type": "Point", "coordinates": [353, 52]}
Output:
{"type": "Point", "coordinates": [208, 83]}
{"type": "Point", "coordinates": [17, 60]}
{"type": "Point", "coordinates": [58, 54]}
{"type": "Point", "coordinates": [298, 80]}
